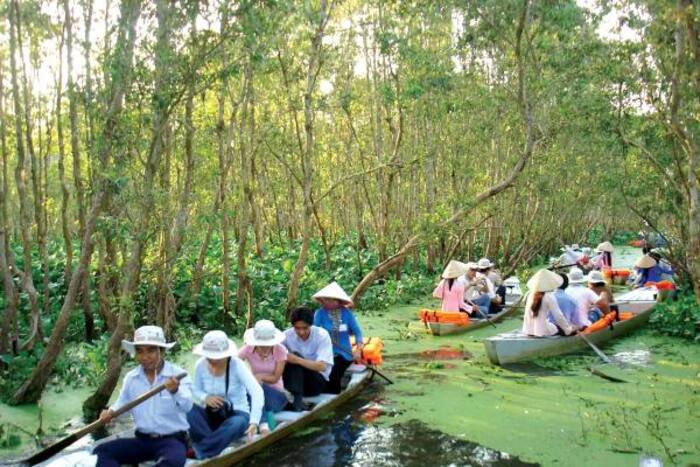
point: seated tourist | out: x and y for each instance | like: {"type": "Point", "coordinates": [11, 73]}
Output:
{"type": "Point", "coordinates": [264, 352]}
{"type": "Point", "coordinates": [222, 385]}
{"type": "Point", "coordinates": [335, 316]}
{"type": "Point", "coordinates": [541, 303]}
{"type": "Point", "coordinates": [310, 357]}
{"type": "Point", "coordinates": [451, 290]}
{"type": "Point", "coordinates": [586, 298]}
{"type": "Point", "coordinates": [478, 291]}
{"type": "Point", "coordinates": [649, 269]}
{"type": "Point", "coordinates": [567, 305]}
{"type": "Point", "coordinates": [497, 291]}
{"type": "Point", "coordinates": [597, 284]}
{"type": "Point", "coordinates": [604, 256]}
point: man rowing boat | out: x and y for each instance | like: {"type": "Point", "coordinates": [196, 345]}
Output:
{"type": "Point", "coordinates": [161, 421]}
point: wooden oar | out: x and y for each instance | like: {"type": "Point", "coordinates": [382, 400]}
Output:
{"type": "Point", "coordinates": [372, 368]}
{"type": "Point", "coordinates": [594, 347]}
{"type": "Point", "coordinates": [484, 316]}
{"type": "Point", "coordinates": [603, 357]}
{"type": "Point", "coordinates": [73, 437]}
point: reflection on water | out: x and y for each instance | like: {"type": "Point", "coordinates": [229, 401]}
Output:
{"type": "Point", "coordinates": [638, 357]}
{"type": "Point", "coordinates": [346, 439]}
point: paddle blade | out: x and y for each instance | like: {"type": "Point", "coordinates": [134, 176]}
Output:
{"type": "Point", "coordinates": [51, 451]}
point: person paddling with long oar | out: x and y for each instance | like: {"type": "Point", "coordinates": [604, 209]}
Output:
{"type": "Point", "coordinates": [161, 421]}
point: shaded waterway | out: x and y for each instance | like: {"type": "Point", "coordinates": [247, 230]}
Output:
{"type": "Point", "coordinates": [353, 436]}
{"type": "Point", "coordinates": [450, 406]}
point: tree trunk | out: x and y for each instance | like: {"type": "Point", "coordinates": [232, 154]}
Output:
{"type": "Point", "coordinates": [307, 156]}
{"type": "Point", "coordinates": [31, 389]}
{"type": "Point", "coordinates": [525, 107]}
{"type": "Point", "coordinates": [132, 273]}
{"type": "Point", "coordinates": [10, 294]}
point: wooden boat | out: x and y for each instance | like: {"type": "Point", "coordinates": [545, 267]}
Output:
{"type": "Point", "coordinates": [444, 329]}
{"type": "Point", "coordinates": [512, 347]}
{"type": "Point", "coordinates": [288, 422]}
{"type": "Point", "coordinates": [513, 297]}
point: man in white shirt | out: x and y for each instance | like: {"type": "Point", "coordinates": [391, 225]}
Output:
{"type": "Point", "coordinates": [310, 357]}
{"type": "Point", "coordinates": [585, 297]}
{"type": "Point", "coordinates": [161, 421]}
{"type": "Point", "coordinates": [479, 290]}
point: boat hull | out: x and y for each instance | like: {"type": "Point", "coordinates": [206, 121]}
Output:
{"type": "Point", "coordinates": [514, 347]}
{"type": "Point", "coordinates": [444, 329]}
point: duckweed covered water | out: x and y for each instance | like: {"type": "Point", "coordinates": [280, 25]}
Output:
{"type": "Point", "coordinates": [350, 438]}
{"type": "Point", "coordinates": [450, 406]}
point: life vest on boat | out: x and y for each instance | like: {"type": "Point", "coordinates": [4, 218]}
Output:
{"type": "Point", "coordinates": [606, 321]}
{"type": "Point", "coordinates": [447, 317]}
{"type": "Point", "coordinates": [371, 353]}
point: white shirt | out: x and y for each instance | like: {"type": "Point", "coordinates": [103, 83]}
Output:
{"type": "Point", "coordinates": [539, 325]}
{"type": "Point", "coordinates": [164, 413]}
{"type": "Point", "coordinates": [585, 299]}
{"type": "Point", "coordinates": [570, 256]}
{"type": "Point", "coordinates": [491, 290]}
{"type": "Point", "coordinates": [317, 347]}
{"type": "Point", "coordinates": [241, 382]}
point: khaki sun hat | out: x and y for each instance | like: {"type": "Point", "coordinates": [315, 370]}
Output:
{"type": "Point", "coordinates": [544, 280]}
{"type": "Point", "coordinates": [147, 335]}
{"type": "Point", "coordinates": [484, 263]}
{"type": "Point", "coordinates": [264, 333]}
{"type": "Point", "coordinates": [333, 290]}
{"type": "Point", "coordinates": [605, 246]}
{"type": "Point", "coordinates": [216, 345]}
{"type": "Point", "coordinates": [454, 269]}
{"type": "Point", "coordinates": [645, 261]}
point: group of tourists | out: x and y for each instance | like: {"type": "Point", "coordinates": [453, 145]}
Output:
{"type": "Point", "coordinates": [568, 303]}
{"type": "Point", "coordinates": [234, 392]}
{"type": "Point", "coordinates": [565, 303]}
{"type": "Point", "coordinates": [586, 258]}
{"type": "Point", "coordinates": [473, 288]}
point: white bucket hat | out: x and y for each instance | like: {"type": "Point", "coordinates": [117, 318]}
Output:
{"type": "Point", "coordinates": [472, 266]}
{"type": "Point", "coordinates": [645, 261]}
{"type": "Point", "coordinates": [216, 345]}
{"type": "Point", "coordinates": [264, 333]}
{"type": "Point", "coordinates": [333, 290]}
{"type": "Point", "coordinates": [484, 263]}
{"type": "Point", "coordinates": [605, 246]}
{"type": "Point", "coordinates": [596, 277]}
{"type": "Point", "coordinates": [454, 269]}
{"type": "Point", "coordinates": [575, 246]}
{"type": "Point", "coordinates": [576, 276]}
{"type": "Point", "coordinates": [544, 280]}
{"type": "Point", "coordinates": [147, 335]}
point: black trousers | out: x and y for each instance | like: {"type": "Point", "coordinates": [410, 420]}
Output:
{"type": "Point", "coordinates": [336, 376]}
{"type": "Point", "coordinates": [301, 381]}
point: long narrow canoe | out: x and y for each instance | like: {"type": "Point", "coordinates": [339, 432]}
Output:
{"type": "Point", "coordinates": [288, 422]}
{"type": "Point", "coordinates": [443, 329]}
{"type": "Point", "coordinates": [513, 347]}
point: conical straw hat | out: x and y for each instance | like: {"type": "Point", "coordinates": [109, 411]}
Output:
{"type": "Point", "coordinates": [645, 261]}
{"type": "Point", "coordinates": [333, 290]}
{"type": "Point", "coordinates": [544, 280]}
{"type": "Point", "coordinates": [454, 269]}
{"type": "Point", "coordinates": [605, 246]}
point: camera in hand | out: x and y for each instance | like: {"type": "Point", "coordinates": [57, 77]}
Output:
{"type": "Point", "coordinates": [217, 416]}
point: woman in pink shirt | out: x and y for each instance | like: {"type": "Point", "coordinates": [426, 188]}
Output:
{"type": "Point", "coordinates": [267, 356]}
{"type": "Point", "coordinates": [451, 289]}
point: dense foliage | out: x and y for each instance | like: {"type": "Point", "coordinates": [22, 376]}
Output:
{"type": "Point", "coordinates": [679, 318]}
